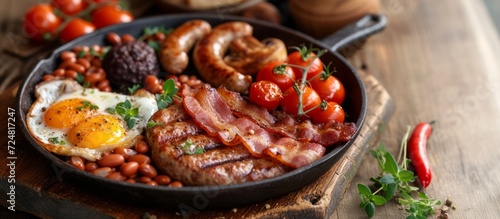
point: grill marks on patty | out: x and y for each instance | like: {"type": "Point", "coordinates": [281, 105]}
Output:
{"type": "Point", "coordinates": [218, 165]}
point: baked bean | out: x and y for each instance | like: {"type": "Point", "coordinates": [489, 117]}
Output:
{"type": "Point", "coordinates": [84, 62]}
{"type": "Point", "coordinates": [159, 36]}
{"type": "Point", "coordinates": [141, 147]}
{"type": "Point", "coordinates": [126, 38]}
{"type": "Point", "coordinates": [66, 63]}
{"type": "Point", "coordinates": [151, 82]}
{"type": "Point", "coordinates": [68, 55]}
{"type": "Point", "coordinates": [102, 171]}
{"type": "Point", "coordinates": [96, 48]}
{"type": "Point", "coordinates": [102, 84]}
{"type": "Point", "coordinates": [152, 183]}
{"type": "Point", "coordinates": [71, 74]}
{"type": "Point", "coordinates": [96, 62]}
{"type": "Point", "coordinates": [162, 179]}
{"type": "Point", "coordinates": [106, 153]}
{"type": "Point", "coordinates": [140, 158]}
{"type": "Point", "coordinates": [113, 38]}
{"type": "Point", "coordinates": [76, 67]}
{"type": "Point", "coordinates": [47, 77]}
{"type": "Point", "coordinates": [183, 78]}
{"type": "Point", "coordinates": [112, 160]}
{"type": "Point", "coordinates": [94, 77]}
{"type": "Point", "coordinates": [59, 72]}
{"type": "Point", "coordinates": [125, 152]}
{"type": "Point", "coordinates": [148, 170]}
{"type": "Point", "coordinates": [175, 184]}
{"type": "Point", "coordinates": [116, 176]}
{"type": "Point", "coordinates": [89, 167]}
{"type": "Point", "coordinates": [193, 83]}
{"type": "Point", "coordinates": [77, 162]}
{"type": "Point", "coordinates": [130, 168]}
{"type": "Point", "coordinates": [144, 179]}
{"type": "Point", "coordinates": [106, 89]}
{"type": "Point", "coordinates": [78, 49]}
{"type": "Point", "coordinates": [130, 181]}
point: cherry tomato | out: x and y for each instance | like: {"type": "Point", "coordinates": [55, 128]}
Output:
{"type": "Point", "coordinates": [330, 89]}
{"type": "Point", "coordinates": [296, 58]}
{"type": "Point", "coordinates": [69, 7]}
{"type": "Point", "coordinates": [290, 101]}
{"type": "Point", "coordinates": [278, 73]}
{"type": "Point", "coordinates": [75, 28]}
{"type": "Point", "coordinates": [331, 111]}
{"type": "Point", "coordinates": [266, 94]}
{"type": "Point", "coordinates": [40, 22]}
{"type": "Point", "coordinates": [109, 15]}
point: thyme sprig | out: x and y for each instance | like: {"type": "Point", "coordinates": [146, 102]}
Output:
{"type": "Point", "coordinates": [392, 180]}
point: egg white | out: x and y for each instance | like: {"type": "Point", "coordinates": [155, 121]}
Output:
{"type": "Point", "coordinates": [51, 92]}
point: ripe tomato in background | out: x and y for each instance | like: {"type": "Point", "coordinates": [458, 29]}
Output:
{"type": "Point", "coordinates": [265, 94]}
{"type": "Point", "coordinates": [40, 22]}
{"type": "Point", "coordinates": [296, 58]}
{"type": "Point", "coordinates": [332, 111]}
{"type": "Point", "coordinates": [69, 7]}
{"type": "Point", "coordinates": [278, 73]}
{"type": "Point", "coordinates": [109, 15]}
{"type": "Point", "coordinates": [290, 101]}
{"type": "Point", "coordinates": [330, 89]}
{"type": "Point", "coordinates": [75, 28]}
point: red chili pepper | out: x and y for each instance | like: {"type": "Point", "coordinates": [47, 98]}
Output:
{"type": "Point", "coordinates": [417, 152]}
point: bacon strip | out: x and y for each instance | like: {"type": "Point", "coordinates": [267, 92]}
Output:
{"type": "Point", "coordinates": [327, 135]}
{"type": "Point", "coordinates": [213, 115]}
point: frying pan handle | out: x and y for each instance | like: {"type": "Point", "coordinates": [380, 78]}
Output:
{"type": "Point", "coordinates": [356, 32]}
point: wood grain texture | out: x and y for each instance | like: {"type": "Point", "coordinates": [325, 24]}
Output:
{"type": "Point", "coordinates": [440, 61]}
{"type": "Point", "coordinates": [40, 192]}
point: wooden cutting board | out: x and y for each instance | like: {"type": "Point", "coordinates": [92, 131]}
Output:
{"type": "Point", "coordinates": [40, 192]}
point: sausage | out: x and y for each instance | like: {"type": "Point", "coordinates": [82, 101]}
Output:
{"type": "Point", "coordinates": [208, 57]}
{"type": "Point", "coordinates": [173, 54]}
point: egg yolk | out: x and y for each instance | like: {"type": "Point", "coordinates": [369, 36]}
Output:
{"type": "Point", "coordinates": [67, 113]}
{"type": "Point", "coordinates": [96, 131]}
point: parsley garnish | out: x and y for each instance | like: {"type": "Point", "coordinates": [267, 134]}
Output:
{"type": "Point", "coordinates": [125, 110]}
{"type": "Point", "coordinates": [152, 124]}
{"type": "Point", "coordinates": [87, 104]}
{"type": "Point", "coordinates": [79, 78]}
{"type": "Point", "coordinates": [55, 140]}
{"type": "Point", "coordinates": [190, 149]}
{"type": "Point", "coordinates": [167, 97]}
{"type": "Point", "coordinates": [134, 88]}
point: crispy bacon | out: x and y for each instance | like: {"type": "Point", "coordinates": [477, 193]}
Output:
{"type": "Point", "coordinates": [213, 115]}
{"type": "Point", "coordinates": [326, 134]}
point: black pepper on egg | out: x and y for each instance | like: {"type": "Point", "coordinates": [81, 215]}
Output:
{"type": "Point", "coordinates": [129, 63]}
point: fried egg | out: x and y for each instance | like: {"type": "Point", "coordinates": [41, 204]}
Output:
{"type": "Point", "coordinates": [70, 120]}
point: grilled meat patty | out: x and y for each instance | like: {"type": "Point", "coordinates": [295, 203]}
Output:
{"type": "Point", "coordinates": [176, 140]}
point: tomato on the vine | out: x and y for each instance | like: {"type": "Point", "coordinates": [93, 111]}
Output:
{"type": "Point", "coordinates": [329, 89]}
{"type": "Point", "coordinates": [303, 57]}
{"type": "Point", "coordinates": [327, 112]}
{"type": "Point", "coordinates": [75, 28]}
{"type": "Point", "coordinates": [109, 15]}
{"type": "Point", "coordinates": [290, 101]}
{"type": "Point", "coordinates": [266, 94]}
{"type": "Point", "coordinates": [69, 7]}
{"type": "Point", "coordinates": [40, 22]}
{"type": "Point", "coordinates": [278, 73]}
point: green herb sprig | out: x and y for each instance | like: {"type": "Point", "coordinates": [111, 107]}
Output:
{"type": "Point", "coordinates": [167, 97]}
{"type": "Point", "coordinates": [392, 180]}
{"type": "Point", "coordinates": [87, 104]}
{"type": "Point", "coordinates": [152, 124]}
{"type": "Point", "coordinates": [134, 88]}
{"type": "Point", "coordinates": [55, 140]}
{"type": "Point", "coordinates": [125, 110]}
{"type": "Point", "coordinates": [190, 149]}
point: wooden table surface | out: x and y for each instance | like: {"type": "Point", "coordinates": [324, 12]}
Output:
{"type": "Point", "coordinates": [440, 61]}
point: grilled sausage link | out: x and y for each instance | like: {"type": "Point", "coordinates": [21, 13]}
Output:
{"type": "Point", "coordinates": [208, 57]}
{"type": "Point", "coordinates": [174, 51]}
